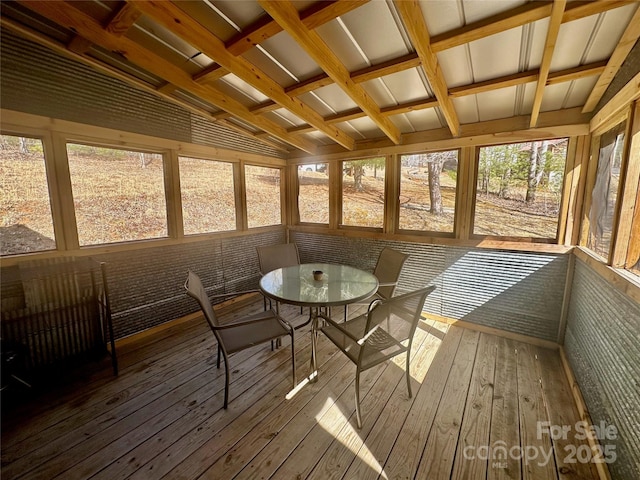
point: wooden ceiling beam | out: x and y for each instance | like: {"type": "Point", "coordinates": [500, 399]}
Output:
{"type": "Point", "coordinates": [265, 27]}
{"type": "Point", "coordinates": [190, 30]}
{"type": "Point", "coordinates": [287, 16]}
{"type": "Point", "coordinates": [518, 16]}
{"type": "Point", "coordinates": [79, 45]}
{"type": "Point", "coordinates": [625, 44]}
{"type": "Point", "coordinates": [123, 20]}
{"type": "Point", "coordinates": [553, 30]}
{"type": "Point", "coordinates": [410, 106]}
{"type": "Point", "coordinates": [413, 20]}
{"type": "Point", "coordinates": [576, 73]}
{"type": "Point", "coordinates": [210, 74]}
{"type": "Point", "coordinates": [515, 17]}
{"type": "Point", "coordinates": [69, 17]}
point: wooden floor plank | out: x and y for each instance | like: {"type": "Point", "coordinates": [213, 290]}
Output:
{"type": "Point", "coordinates": [240, 453]}
{"type": "Point", "coordinates": [505, 417]}
{"type": "Point", "coordinates": [562, 416]}
{"type": "Point", "coordinates": [470, 460]}
{"type": "Point", "coordinates": [439, 453]}
{"type": "Point", "coordinates": [162, 417]}
{"type": "Point", "coordinates": [405, 456]}
{"type": "Point", "coordinates": [389, 388]}
{"type": "Point", "coordinates": [537, 455]}
{"type": "Point", "coordinates": [373, 454]}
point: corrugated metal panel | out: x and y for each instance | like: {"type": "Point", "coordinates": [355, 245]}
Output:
{"type": "Point", "coordinates": [513, 291]}
{"type": "Point", "coordinates": [147, 285]}
{"type": "Point", "coordinates": [36, 80]}
{"type": "Point", "coordinates": [602, 343]}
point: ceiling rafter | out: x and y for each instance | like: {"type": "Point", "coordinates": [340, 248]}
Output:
{"type": "Point", "coordinates": [123, 20]}
{"type": "Point", "coordinates": [549, 46]}
{"type": "Point", "coordinates": [187, 28]}
{"type": "Point", "coordinates": [518, 16]}
{"type": "Point", "coordinates": [265, 27]}
{"type": "Point", "coordinates": [68, 16]}
{"type": "Point", "coordinates": [163, 91]}
{"type": "Point", "coordinates": [505, 81]}
{"type": "Point", "coordinates": [413, 20]}
{"type": "Point", "coordinates": [285, 13]}
{"type": "Point", "coordinates": [625, 44]}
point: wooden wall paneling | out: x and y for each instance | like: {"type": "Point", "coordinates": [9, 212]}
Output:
{"type": "Point", "coordinates": [592, 170]}
{"type": "Point", "coordinates": [175, 222]}
{"type": "Point", "coordinates": [629, 181]}
{"type": "Point", "coordinates": [392, 179]}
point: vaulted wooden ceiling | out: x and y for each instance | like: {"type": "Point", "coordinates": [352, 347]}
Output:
{"type": "Point", "coordinates": [304, 75]}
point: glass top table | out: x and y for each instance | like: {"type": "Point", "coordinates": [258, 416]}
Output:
{"type": "Point", "coordinates": [339, 285]}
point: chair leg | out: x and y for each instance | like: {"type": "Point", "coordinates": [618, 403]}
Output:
{"type": "Point", "coordinates": [293, 358]}
{"type": "Point", "coordinates": [218, 360]}
{"type": "Point", "coordinates": [226, 382]}
{"type": "Point", "coordinates": [358, 417]}
{"type": "Point", "coordinates": [408, 373]}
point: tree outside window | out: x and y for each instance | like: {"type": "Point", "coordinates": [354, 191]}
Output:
{"type": "Point", "coordinates": [519, 189]}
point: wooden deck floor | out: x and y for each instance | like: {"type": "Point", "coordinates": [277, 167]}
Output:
{"type": "Point", "coordinates": [163, 417]}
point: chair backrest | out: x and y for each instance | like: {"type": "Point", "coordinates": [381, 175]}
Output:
{"type": "Point", "coordinates": [399, 315]}
{"type": "Point", "coordinates": [272, 257]}
{"type": "Point", "coordinates": [195, 289]}
{"type": "Point", "coordinates": [388, 270]}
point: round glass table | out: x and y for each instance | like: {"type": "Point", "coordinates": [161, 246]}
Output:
{"type": "Point", "coordinates": [337, 285]}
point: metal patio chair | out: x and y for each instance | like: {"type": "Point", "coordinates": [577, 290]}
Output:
{"type": "Point", "coordinates": [242, 333]}
{"type": "Point", "coordinates": [387, 271]}
{"type": "Point", "coordinates": [386, 330]}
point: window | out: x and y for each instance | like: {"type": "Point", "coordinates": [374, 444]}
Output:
{"type": "Point", "coordinates": [118, 195]}
{"type": "Point", "coordinates": [519, 189]}
{"type": "Point", "coordinates": [363, 192]}
{"type": "Point", "coordinates": [263, 196]}
{"type": "Point", "coordinates": [26, 225]}
{"type": "Point", "coordinates": [313, 193]}
{"type": "Point", "coordinates": [428, 191]}
{"type": "Point", "coordinates": [605, 190]}
{"type": "Point", "coordinates": [208, 195]}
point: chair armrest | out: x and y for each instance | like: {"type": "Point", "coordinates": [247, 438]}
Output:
{"type": "Point", "coordinates": [339, 327]}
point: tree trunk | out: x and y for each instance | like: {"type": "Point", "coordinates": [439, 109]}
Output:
{"type": "Point", "coordinates": [531, 177]}
{"type": "Point", "coordinates": [358, 172]}
{"type": "Point", "coordinates": [435, 195]}
{"type": "Point", "coordinates": [24, 147]}
{"type": "Point", "coordinates": [504, 183]}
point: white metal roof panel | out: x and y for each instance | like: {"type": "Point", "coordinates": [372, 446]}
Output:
{"type": "Point", "coordinates": [475, 10]}
{"type": "Point", "coordinates": [289, 54]}
{"type": "Point", "coordinates": [420, 120]}
{"type": "Point", "coordinates": [467, 109]}
{"type": "Point", "coordinates": [455, 66]}
{"type": "Point", "coordinates": [496, 104]}
{"type": "Point", "coordinates": [343, 47]}
{"type": "Point", "coordinates": [580, 91]}
{"type": "Point", "coordinates": [284, 118]}
{"type": "Point", "coordinates": [333, 97]}
{"type": "Point", "coordinates": [384, 41]}
{"type": "Point", "coordinates": [496, 55]}
{"type": "Point", "coordinates": [405, 86]}
{"type": "Point", "coordinates": [573, 41]}
{"type": "Point", "coordinates": [441, 15]}
{"type": "Point", "coordinates": [606, 38]}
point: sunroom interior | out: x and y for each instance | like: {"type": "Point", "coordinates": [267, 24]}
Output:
{"type": "Point", "coordinates": [497, 143]}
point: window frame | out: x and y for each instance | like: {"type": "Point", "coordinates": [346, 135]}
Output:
{"type": "Point", "coordinates": [178, 194]}
{"type": "Point", "coordinates": [340, 196]}
{"type": "Point", "coordinates": [456, 207]}
{"type": "Point", "coordinates": [51, 175]}
{"type": "Point", "coordinates": [283, 196]}
{"type": "Point", "coordinates": [295, 194]}
{"type": "Point", "coordinates": [561, 221]}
